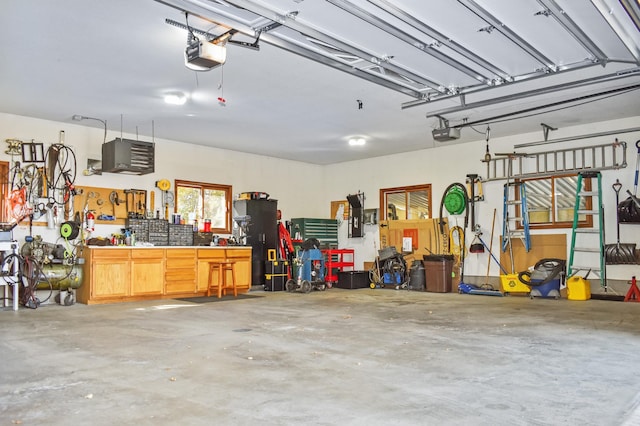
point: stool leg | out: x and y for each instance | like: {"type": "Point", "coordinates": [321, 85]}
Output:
{"type": "Point", "coordinates": [221, 279]}
{"type": "Point", "coordinates": [233, 281]}
{"type": "Point", "coordinates": [209, 280]}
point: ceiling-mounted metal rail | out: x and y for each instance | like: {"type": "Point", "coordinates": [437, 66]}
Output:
{"type": "Point", "coordinates": [609, 156]}
{"type": "Point", "coordinates": [587, 82]}
{"type": "Point", "coordinates": [630, 40]}
{"type": "Point", "coordinates": [361, 52]}
{"type": "Point", "coordinates": [444, 40]}
{"type": "Point", "coordinates": [575, 138]}
{"type": "Point", "coordinates": [508, 33]}
{"type": "Point", "coordinates": [208, 11]}
{"type": "Point", "coordinates": [572, 28]}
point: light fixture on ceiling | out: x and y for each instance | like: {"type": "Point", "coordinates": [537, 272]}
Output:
{"type": "Point", "coordinates": [357, 141]}
{"type": "Point", "coordinates": [175, 98]}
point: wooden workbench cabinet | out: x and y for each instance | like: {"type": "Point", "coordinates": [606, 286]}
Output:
{"type": "Point", "coordinates": [121, 274]}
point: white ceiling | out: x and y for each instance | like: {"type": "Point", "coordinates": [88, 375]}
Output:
{"type": "Point", "coordinates": [114, 60]}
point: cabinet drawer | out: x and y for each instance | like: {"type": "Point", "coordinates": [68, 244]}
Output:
{"type": "Point", "coordinates": [214, 253]}
{"type": "Point", "coordinates": [173, 287]}
{"type": "Point", "coordinates": [180, 275]}
{"type": "Point", "coordinates": [238, 253]}
{"type": "Point", "coordinates": [173, 253]}
{"type": "Point", "coordinates": [184, 263]}
{"type": "Point", "coordinates": [147, 253]}
{"type": "Point", "coordinates": [110, 253]}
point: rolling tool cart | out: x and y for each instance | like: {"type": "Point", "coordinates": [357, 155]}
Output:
{"type": "Point", "coordinates": [311, 269]}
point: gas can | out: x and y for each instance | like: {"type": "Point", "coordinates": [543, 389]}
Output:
{"type": "Point", "coordinates": [578, 288]}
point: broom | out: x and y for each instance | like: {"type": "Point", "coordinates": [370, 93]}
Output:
{"type": "Point", "coordinates": [486, 284]}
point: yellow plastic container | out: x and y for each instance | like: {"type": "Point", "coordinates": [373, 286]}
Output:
{"type": "Point", "coordinates": [511, 284]}
{"type": "Point", "coordinates": [578, 288]}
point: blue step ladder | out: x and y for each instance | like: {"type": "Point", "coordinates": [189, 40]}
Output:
{"type": "Point", "coordinates": [515, 223]}
{"type": "Point", "coordinates": [588, 203]}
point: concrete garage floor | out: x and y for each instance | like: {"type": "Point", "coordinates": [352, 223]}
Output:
{"type": "Point", "coordinates": [339, 357]}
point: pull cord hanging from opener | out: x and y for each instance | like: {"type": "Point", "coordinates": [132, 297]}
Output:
{"type": "Point", "coordinates": [487, 154]}
{"type": "Point", "coordinates": [221, 100]}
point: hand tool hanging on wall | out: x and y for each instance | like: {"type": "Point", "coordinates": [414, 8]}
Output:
{"type": "Point", "coordinates": [115, 201]}
{"type": "Point", "coordinates": [629, 209]}
{"type": "Point", "coordinates": [473, 180]}
{"type": "Point", "coordinates": [167, 196]}
{"type": "Point", "coordinates": [476, 245]}
{"type": "Point", "coordinates": [619, 254]}
{"type": "Point", "coordinates": [136, 202]}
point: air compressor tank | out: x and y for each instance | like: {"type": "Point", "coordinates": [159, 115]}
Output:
{"type": "Point", "coordinates": [61, 276]}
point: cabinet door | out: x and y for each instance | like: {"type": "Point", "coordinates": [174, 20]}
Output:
{"type": "Point", "coordinates": [111, 278]}
{"type": "Point", "coordinates": [147, 272]}
{"type": "Point", "coordinates": [243, 267]}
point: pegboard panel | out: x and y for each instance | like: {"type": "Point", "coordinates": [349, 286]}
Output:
{"type": "Point", "coordinates": [99, 200]}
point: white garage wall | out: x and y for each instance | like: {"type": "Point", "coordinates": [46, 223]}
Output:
{"type": "Point", "coordinates": [448, 163]}
{"type": "Point", "coordinates": [305, 190]}
{"type": "Point", "coordinates": [294, 184]}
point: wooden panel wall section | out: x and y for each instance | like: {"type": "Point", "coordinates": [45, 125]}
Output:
{"type": "Point", "coordinates": [98, 201]}
{"type": "Point", "coordinates": [542, 246]}
{"type": "Point", "coordinates": [429, 239]}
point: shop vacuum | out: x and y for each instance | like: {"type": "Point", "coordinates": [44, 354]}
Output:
{"type": "Point", "coordinates": [545, 278]}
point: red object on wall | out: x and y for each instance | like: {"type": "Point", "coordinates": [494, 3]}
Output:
{"type": "Point", "coordinates": [413, 233]}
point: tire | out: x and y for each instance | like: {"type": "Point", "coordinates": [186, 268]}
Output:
{"type": "Point", "coordinates": [290, 286]}
{"type": "Point", "coordinates": [305, 286]}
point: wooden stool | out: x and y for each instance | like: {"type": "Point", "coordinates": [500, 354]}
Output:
{"type": "Point", "coordinates": [222, 266]}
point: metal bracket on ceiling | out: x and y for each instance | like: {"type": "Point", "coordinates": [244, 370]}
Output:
{"type": "Point", "coordinates": [444, 123]}
{"type": "Point", "coordinates": [224, 38]}
{"type": "Point", "coordinates": [545, 130]}
{"type": "Point", "coordinates": [544, 12]}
